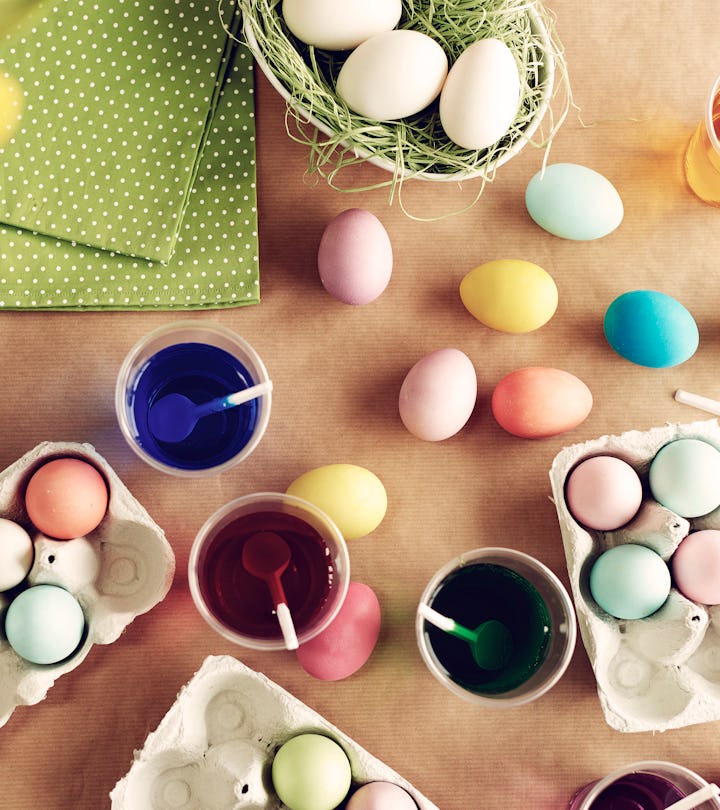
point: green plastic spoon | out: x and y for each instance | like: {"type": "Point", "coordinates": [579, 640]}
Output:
{"type": "Point", "coordinates": [490, 643]}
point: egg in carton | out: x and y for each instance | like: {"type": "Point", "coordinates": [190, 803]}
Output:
{"type": "Point", "coordinates": [662, 671]}
{"type": "Point", "coordinates": [121, 569]}
{"type": "Point", "coordinates": [214, 748]}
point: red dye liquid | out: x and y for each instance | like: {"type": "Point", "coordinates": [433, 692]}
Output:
{"type": "Point", "coordinates": [241, 601]}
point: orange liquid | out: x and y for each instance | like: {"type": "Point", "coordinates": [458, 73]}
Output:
{"type": "Point", "coordinates": [702, 160]}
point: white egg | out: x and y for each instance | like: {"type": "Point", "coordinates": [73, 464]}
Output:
{"type": "Point", "coordinates": [393, 75]}
{"type": "Point", "coordinates": [16, 554]}
{"type": "Point", "coordinates": [339, 25]}
{"type": "Point", "coordinates": [481, 95]}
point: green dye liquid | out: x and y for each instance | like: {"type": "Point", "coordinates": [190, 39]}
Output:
{"type": "Point", "coordinates": [482, 592]}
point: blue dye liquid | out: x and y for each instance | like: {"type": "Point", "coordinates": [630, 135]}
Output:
{"type": "Point", "coordinates": [200, 372]}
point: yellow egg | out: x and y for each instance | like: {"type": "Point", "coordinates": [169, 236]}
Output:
{"type": "Point", "coordinates": [353, 497]}
{"type": "Point", "coordinates": [510, 295]}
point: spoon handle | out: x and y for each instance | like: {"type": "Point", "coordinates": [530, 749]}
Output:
{"type": "Point", "coordinates": [697, 401]}
{"type": "Point", "coordinates": [254, 391]}
{"type": "Point", "coordinates": [287, 626]}
{"type": "Point", "coordinates": [445, 623]}
{"type": "Point", "coordinates": [697, 798]}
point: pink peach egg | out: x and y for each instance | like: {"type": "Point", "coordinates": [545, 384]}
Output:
{"type": "Point", "coordinates": [348, 641]}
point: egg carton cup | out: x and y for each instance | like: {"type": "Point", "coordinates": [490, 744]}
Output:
{"type": "Point", "coordinates": [214, 748]}
{"type": "Point", "coordinates": [663, 671]}
{"type": "Point", "coordinates": [121, 569]}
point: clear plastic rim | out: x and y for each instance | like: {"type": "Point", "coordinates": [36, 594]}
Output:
{"type": "Point", "coordinates": [652, 766]}
{"type": "Point", "coordinates": [125, 373]}
{"type": "Point", "coordinates": [342, 564]}
{"type": "Point", "coordinates": [709, 124]}
{"type": "Point", "coordinates": [500, 556]}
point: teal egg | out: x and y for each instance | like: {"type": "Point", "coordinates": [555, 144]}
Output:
{"type": "Point", "coordinates": [651, 329]}
{"type": "Point", "coordinates": [630, 581]}
{"type": "Point", "coordinates": [44, 624]}
{"type": "Point", "coordinates": [573, 202]}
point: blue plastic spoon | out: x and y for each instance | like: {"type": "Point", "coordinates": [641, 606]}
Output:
{"type": "Point", "coordinates": [172, 418]}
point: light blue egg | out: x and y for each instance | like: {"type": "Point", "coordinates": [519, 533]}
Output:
{"type": "Point", "coordinates": [651, 329]}
{"type": "Point", "coordinates": [44, 624]}
{"type": "Point", "coordinates": [684, 476]}
{"type": "Point", "coordinates": [630, 581]}
{"type": "Point", "coordinates": [573, 202]}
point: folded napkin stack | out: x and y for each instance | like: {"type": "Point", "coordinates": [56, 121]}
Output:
{"type": "Point", "coordinates": [127, 157]}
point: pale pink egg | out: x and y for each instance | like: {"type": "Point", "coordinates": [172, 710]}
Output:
{"type": "Point", "coordinates": [696, 567]}
{"type": "Point", "coordinates": [355, 257]}
{"type": "Point", "coordinates": [381, 796]}
{"type": "Point", "coordinates": [603, 493]}
{"type": "Point", "coordinates": [438, 395]}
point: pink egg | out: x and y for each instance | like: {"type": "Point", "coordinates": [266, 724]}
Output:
{"type": "Point", "coordinates": [438, 395]}
{"type": "Point", "coordinates": [347, 643]}
{"type": "Point", "coordinates": [603, 493]}
{"type": "Point", "coordinates": [536, 402]}
{"type": "Point", "coordinates": [381, 796]}
{"type": "Point", "coordinates": [66, 498]}
{"type": "Point", "coordinates": [695, 567]}
{"type": "Point", "coordinates": [355, 257]}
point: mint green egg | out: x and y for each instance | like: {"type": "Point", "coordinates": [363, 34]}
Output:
{"type": "Point", "coordinates": [573, 202]}
{"type": "Point", "coordinates": [311, 772]}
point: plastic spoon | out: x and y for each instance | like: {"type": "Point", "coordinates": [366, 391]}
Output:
{"type": "Point", "coordinates": [702, 403]}
{"type": "Point", "coordinates": [266, 555]}
{"type": "Point", "coordinates": [172, 418]}
{"type": "Point", "coordinates": [695, 799]}
{"type": "Point", "coordinates": [490, 642]}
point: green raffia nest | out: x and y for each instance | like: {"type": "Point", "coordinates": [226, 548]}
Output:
{"type": "Point", "coordinates": [416, 146]}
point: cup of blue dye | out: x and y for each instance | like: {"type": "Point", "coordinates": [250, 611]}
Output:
{"type": "Point", "coordinates": [192, 364]}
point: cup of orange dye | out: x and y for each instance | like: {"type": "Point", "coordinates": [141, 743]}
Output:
{"type": "Point", "coordinates": [702, 158]}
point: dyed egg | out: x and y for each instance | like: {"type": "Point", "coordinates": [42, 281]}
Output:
{"type": "Point", "coordinates": [630, 581]}
{"type": "Point", "coordinates": [684, 476]}
{"type": "Point", "coordinates": [44, 624]}
{"type": "Point", "coordinates": [381, 796]}
{"type": "Point", "coordinates": [438, 395]}
{"type": "Point", "coordinates": [353, 497]}
{"type": "Point", "coordinates": [651, 329]}
{"type": "Point", "coordinates": [392, 75]}
{"type": "Point", "coordinates": [603, 493]}
{"type": "Point", "coordinates": [510, 295]}
{"type": "Point", "coordinates": [16, 554]}
{"type": "Point", "coordinates": [66, 498]}
{"type": "Point", "coordinates": [339, 25]}
{"type": "Point", "coordinates": [311, 772]}
{"type": "Point", "coordinates": [355, 257]}
{"type": "Point", "coordinates": [348, 641]}
{"type": "Point", "coordinates": [696, 567]}
{"type": "Point", "coordinates": [573, 202]}
{"type": "Point", "coordinates": [481, 95]}
{"type": "Point", "coordinates": [535, 402]}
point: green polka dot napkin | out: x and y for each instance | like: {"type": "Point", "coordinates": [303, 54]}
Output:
{"type": "Point", "coordinates": [128, 179]}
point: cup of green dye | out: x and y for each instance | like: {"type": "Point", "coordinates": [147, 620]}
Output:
{"type": "Point", "coordinates": [496, 627]}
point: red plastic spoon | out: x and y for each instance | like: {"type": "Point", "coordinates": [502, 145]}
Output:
{"type": "Point", "coordinates": [266, 555]}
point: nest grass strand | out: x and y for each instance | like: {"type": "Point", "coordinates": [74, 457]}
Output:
{"type": "Point", "coordinates": [417, 145]}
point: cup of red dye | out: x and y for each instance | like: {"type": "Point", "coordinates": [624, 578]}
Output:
{"type": "Point", "coordinates": [648, 785]}
{"type": "Point", "coordinates": [238, 604]}
{"type": "Point", "coordinates": [193, 364]}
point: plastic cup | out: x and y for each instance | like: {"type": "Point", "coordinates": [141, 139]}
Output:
{"type": "Point", "coordinates": [239, 606]}
{"type": "Point", "coordinates": [647, 785]}
{"type": "Point", "coordinates": [202, 361]}
{"type": "Point", "coordinates": [702, 157]}
{"type": "Point", "coordinates": [512, 588]}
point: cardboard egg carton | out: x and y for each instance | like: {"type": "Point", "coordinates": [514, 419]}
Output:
{"type": "Point", "coordinates": [663, 671]}
{"type": "Point", "coordinates": [121, 569]}
{"type": "Point", "coordinates": [214, 748]}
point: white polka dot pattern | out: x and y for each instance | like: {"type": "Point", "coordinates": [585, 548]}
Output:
{"type": "Point", "coordinates": [194, 207]}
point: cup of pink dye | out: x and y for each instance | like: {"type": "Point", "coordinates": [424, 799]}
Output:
{"type": "Point", "coordinates": [650, 785]}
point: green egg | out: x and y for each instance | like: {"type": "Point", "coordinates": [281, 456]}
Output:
{"type": "Point", "coordinates": [311, 772]}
